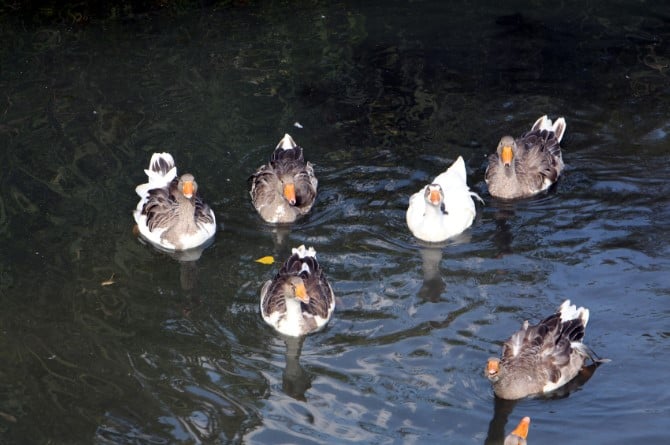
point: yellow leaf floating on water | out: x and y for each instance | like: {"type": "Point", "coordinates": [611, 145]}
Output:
{"type": "Point", "coordinates": [265, 260]}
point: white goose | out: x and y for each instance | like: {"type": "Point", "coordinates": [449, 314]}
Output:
{"type": "Point", "coordinates": [444, 208]}
{"type": "Point", "coordinates": [170, 214]}
{"type": "Point", "coordinates": [299, 299]}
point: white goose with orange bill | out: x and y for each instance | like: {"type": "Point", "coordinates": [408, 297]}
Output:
{"type": "Point", "coordinates": [443, 208]}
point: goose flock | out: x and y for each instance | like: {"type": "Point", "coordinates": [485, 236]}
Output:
{"type": "Point", "coordinates": [299, 300]}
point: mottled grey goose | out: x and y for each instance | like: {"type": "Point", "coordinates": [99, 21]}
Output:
{"type": "Point", "coordinates": [529, 164]}
{"type": "Point", "coordinates": [541, 358]}
{"type": "Point", "coordinates": [170, 215]}
{"type": "Point", "coordinates": [285, 188]}
{"type": "Point", "coordinates": [299, 299]}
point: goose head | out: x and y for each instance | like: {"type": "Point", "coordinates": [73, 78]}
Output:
{"type": "Point", "coordinates": [288, 191]}
{"type": "Point", "coordinates": [520, 433]}
{"type": "Point", "coordinates": [506, 149]}
{"type": "Point", "coordinates": [434, 196]}
{"type": "Point", "coordinates": [493, 369]}
{"type": "Point", "coordinates": [187, 185]}
{"type": "Point", "coordinates": [296, 289]}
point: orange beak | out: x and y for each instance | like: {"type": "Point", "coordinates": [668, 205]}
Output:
{"type": "Point", "coordinates": [522, 429]}
{"type": "Point", "coordinates": [301, 293]}
{"type": "Point", "coordinates": [188, 189]}
{"type": "Point", "coordinates": [434, 197]}
{"type": "Point", "coordinates": [507, 155]}
{"type": "Point", "coordinates": [289, 193]}
{"type": "Point", "coordinates": [492, 367]}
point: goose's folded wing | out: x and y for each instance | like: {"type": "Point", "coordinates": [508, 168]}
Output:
{"type": "Point", "coordinates": [321, 301]}
{"type": "Point", "coordinates": [305, 187]}
{"type": "Point", "coordinates": [541, 156]}
{"type": "Point", "coordinates": [203, 212]}
{"type": "Point", "coordinates": [272, 299]}
{"type": "Point", "coordinates": [264, 185]}
{"type": "Point", "coordinates": [159, 209]}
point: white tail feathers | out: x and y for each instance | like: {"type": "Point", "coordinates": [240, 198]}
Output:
{"type": "Point", "coordinates": [544, 123]}
{"type": "Point", "coordinates": [454, 177]}
{"type": "Point", "coordinates": [287, 142]}
{"type": "Point", "coordinates": [559, 128]}
{"type": "Point", "coordinates": [570, 312]}
{"type": "Point", "coordinates": [302, 252]}
{"type": "Point", "coordinates": [161, 170]}
{"type": "Point", "coordinates": [459, 168]}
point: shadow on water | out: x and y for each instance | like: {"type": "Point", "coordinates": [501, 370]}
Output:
{"type": "Point", "coordinates": [502, 409]}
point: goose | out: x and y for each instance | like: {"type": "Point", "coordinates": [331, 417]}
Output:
{"type": "Point", "coordinates": [444, 208]}
{"type": "Point", "coordinates": [170, 215]}
{"type": "Point", "coordinates": [298, 300]}
{"type": "Point", "coordinates": [541, 358]}
{"type": "Point", "coordinates": [520, 433]}
{"type": "Point", "coordinates": [529, 164]}
{"type": "Point", "coordinates": [285, 188]}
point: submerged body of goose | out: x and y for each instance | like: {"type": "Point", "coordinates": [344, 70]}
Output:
{"type": "Point", "coordinates": [285, 188]}
{"type": "Point", "coordinates": [520, 433]}
{"type": "Point", "coordinates": [170, 215]}
{"type": "Point", "coordinates": [443, 208]}
{"type": "Point", "coordinates": [298, 300]}
{"type": "Point", "coordinates": [529, 164]}
{"type": "Point", "coordinates": [541, 358]}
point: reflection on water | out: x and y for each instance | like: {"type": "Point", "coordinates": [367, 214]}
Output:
{"type": "Point", "coordinates": [174, 349]}
{"type": "Point", "coordinates": [502, 409]}
{"type": "Point", "coordinates": [295, 380]}
{"type": "Point", "coordinates": [433, 283]}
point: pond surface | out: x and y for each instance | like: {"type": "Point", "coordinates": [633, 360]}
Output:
{"type": "Point", "coordinates": [105, 340]}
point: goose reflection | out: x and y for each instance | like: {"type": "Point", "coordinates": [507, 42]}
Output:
{"type": "Point", "coordinates": [503, 235]}
{"type": "Point", "coordinates": [295, 380]}
{"type": "Point", "coordinates": [280, 236]}
{"type": "Point", "coordinates": [503, 408]}
{"type": "Point", "coordinates": [433, 283]}
{"type": "Point", "coordinates": [431, 256]}
{"type": "Point", "coordinates": [188, 274]}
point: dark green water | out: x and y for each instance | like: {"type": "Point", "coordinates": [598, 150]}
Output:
{"type": "Point", "coordinates": [388, 94]}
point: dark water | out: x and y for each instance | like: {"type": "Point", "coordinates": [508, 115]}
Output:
{"type": "Point", "coordinates": [388, 94]}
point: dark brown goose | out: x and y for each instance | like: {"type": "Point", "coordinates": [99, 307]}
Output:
{"type": "Point", "coordinates": [285, 188]}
